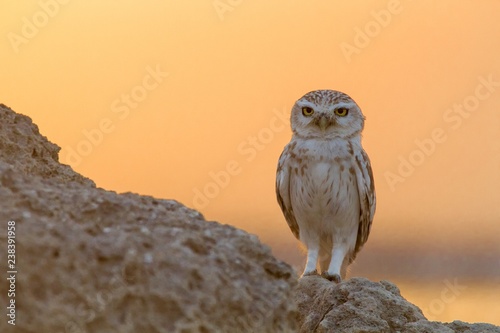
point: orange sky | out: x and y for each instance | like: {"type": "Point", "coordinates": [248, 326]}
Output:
{"type": "Point", "coordinates": [157, 97]}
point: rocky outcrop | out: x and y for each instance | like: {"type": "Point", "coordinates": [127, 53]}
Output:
{"type": "Point", "coordinates": [362, 306]}
{"type": "Point", "coordinates": [90, 260]}
{"type": "Point", "coordinates": [23, 147]}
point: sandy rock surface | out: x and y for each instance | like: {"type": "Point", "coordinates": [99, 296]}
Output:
{"type": "Point", "coordinates": [29, 152]}
{"type": "Point", "coordinates": [362, 306]}
{"type": "Point", "coordinates": [90, 260]}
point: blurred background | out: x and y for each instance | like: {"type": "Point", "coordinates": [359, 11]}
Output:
{"type": "Point", "coordinates": [190, 101]}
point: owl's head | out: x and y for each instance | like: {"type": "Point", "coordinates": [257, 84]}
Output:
{"type": "Point", "coordinates": [326, 114]}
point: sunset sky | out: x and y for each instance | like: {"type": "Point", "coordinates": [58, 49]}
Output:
{"type": "Point", "coordinates": [190, 100]}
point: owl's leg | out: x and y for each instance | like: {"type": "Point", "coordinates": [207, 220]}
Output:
{"type": "Point", "coordinates": [325, 254]}
{"type": "Point", "coordinates": [338, 255]}
{"type": "Point", "coordinates": [312, 260]}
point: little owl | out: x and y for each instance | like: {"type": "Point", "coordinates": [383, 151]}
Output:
{"type": "Point", "coordinates": [324, 182]}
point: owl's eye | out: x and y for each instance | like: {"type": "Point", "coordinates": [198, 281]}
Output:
{"type": "Point", "coordinates": [307, 111]}
{"type": "Point", "coordinates": [341, 112]}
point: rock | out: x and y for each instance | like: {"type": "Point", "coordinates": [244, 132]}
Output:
{"type": "Point", "coordinates": [461, 327]}
{"type": "Point", "coordinates": [358, 305]}
{"type": "Point", "coordinates": [23, 147]}
{"type": "Point", "coordinates": [90, 260]}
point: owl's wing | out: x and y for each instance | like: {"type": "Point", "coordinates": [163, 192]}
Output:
{"type": "Point", "coordinates": [367, 200]}
{"type": "Point", "coordinates": [283, 192]}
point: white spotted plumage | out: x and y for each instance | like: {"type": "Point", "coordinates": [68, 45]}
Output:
{"type": "Point", "coordinates": [324, 181]}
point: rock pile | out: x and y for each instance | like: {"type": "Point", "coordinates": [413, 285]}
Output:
{"type": "Point", "coordinates": [90, 260]}
{"type": "Point", "coordinates": [361, 306]}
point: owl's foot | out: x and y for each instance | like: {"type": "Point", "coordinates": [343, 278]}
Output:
{"type": "Point", "coordinates": [311, 273]}
{"type": "Point", "coordinates": [332, 277]}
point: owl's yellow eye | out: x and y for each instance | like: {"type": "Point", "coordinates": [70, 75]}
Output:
{"type": "Point", "coordinates": [341, 112]}
{"type": "Point", "coordinates": [307, 111]}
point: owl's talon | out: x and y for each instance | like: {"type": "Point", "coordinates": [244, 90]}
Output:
{"type": "Point", "coordinates": [332, 277]}
{"type": "Point", "coordinates": [315, 272]}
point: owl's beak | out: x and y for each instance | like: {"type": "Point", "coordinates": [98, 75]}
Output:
{"type": "Point", "coordinates": [324, 122]}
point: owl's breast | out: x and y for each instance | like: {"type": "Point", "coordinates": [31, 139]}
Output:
{"type": "Point", "coordinates": [324, 191]}
{"type": "Point", "coordinates": [324, 183]}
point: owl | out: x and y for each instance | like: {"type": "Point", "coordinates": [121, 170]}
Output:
{"type": "Point", "coordinates": [324, 182]}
